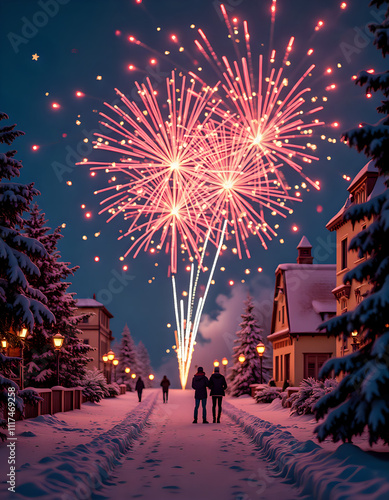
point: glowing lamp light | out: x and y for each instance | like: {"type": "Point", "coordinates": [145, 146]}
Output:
{"type": "Point", "coordinates": [4, 344]}
{"type": "Point", "coordinates": [58, 341]}
{"type": "Point", "coordinates": [216, 363]}
{"type": "Point", "coordinates": [115, 362]}
{"type": "Point", "coordinates": [354, 333]}
{"type": "Point", "coordinates": [242, 358]}
{"type": "Point", "coordinates": [22, 333]}
{"type": "Point", "coordinates": [224, 361]}
{"type": "Point", "coordinates": [151, 376]}
{"type": "Point", "coordinates": [127, 370]}
{"type": "Point", "coordinates": [105, 358]}
{"type": "Point", "coordinates": [111, 356]}
{"type": "Point", "coordinates": [133, 375]}
{"type": "Point", "coordinates": [260, 348]}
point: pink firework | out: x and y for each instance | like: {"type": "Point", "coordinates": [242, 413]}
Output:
{"type": "Point", "coordinates": [235, 182]}
{"type": "Point", "coordinates": [270, 114]}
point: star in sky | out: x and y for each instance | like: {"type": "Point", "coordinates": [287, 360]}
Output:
{"type": "Point", "coordinates": [35, 57]}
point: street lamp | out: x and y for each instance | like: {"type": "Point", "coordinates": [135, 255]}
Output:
{"type": "Point", "coordinates": [111, 357]}
{"type": "Point", "coordinates": [242, 358]}
{"type": "Point", "coordinates": [225, 363]}
{"type": "Point", "coordinates": [355, 343]}
{"type": "Point", "coordinates": [58, 341]}
{"type": "Point", "coordinates": [133, 375]}
{"type": "Point", "coordinates": [115, 362]}
{"type": "Point", "coordinates": [127, 370]}
{"type": "Point", "coordinates": [22, 334]}
{"type": "Point", "coordinates": [260, 350]}
{"type": "Point", "coordinates": [4, 344]}
{"type": "Point", "coordinates": [105, 360]}
{"type": "Point", "coordinates": [151, 376]}
{"type": "Point", "coordinates": [216, 363]}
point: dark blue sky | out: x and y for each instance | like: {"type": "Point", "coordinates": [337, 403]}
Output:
{"type": "Point", "coordinates": [76, 41]}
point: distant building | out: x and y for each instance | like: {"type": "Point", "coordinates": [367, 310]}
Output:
{"type": "Point", "coordinates": [363, 187]}
{"type": "Point", "coordinates": [303, 299]}
{"type": "Point", "coordinates": [95, 328]}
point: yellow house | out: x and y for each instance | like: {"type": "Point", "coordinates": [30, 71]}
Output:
{"type": "Point", "coordinates": [303, 299]}
{"type": "Point", "coordinates": [363, 187]}
{"type": "Point", "coordinates": [95, 328]}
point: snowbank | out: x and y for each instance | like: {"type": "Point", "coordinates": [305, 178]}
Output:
{"type": "Point", "coordinates": [77, 472]}
{"type": "Point", "coordinates": [347, 472]}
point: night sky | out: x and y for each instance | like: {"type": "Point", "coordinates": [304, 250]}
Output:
{"type": "Point", "coordinates": [77, 41]}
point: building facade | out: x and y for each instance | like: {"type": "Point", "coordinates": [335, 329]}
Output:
{"type": "Point", "coordinates": [364, 186]}
{"type": "Point", "coordinates": [303, 299]}
{"type": "Point", "coordinates": [96, 329]}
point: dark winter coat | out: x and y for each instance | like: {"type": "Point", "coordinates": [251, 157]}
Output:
{"type": "Point", "coordinates": [139, 385]}
{"type": "Point", "coordinates": [217, 384]}
{"type": "Point", "coordinates": [165, 384]}
{"type": "Point", "coordinates": [200, 384]}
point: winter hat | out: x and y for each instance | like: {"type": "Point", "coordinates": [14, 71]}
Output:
{"type": "Point", "coordinates": [216, 369]}
{"type": "Point", "coordinates": [200, 369]}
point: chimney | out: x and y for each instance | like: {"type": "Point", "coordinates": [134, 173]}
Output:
{"type": "Point", "coordinates": [304, 252]}
{"type": "Point", "coordinates": [94, 295]}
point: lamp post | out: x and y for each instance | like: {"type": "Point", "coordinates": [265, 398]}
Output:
{"type": "Point", "coordinates": [216, 363]}
{"type": "Point", "coordinates": [105, 360]}
{"type": "Point", "coordinates": [111, 357]}
{"type": "Point", "coordinates": [58, 342]}
{"type": "Point", "coordinates": [355, 343]}
{"type": "Point", "coordinates": [225, 363]}
{"type": "Point", "coordinates": [115, 362]}
{"type": "Point", "coordinates": [242, 359]}
{"type": "Point", "coordinates": [260, 350]}
{"type": "Point", "coordinates": [22, 334]}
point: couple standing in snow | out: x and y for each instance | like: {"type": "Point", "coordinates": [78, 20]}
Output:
{"type": "Point", "coordinates": [217, 383]}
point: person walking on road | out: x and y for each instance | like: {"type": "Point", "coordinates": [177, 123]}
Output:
{"type": "Point", "coordinates": [200, 384]}
{"type": "Point", "coordinates": [139, 387]}
{"type": "Point", "coordinates": [165, 388]}
{"type": "Point", "coordinates": [218, 385]}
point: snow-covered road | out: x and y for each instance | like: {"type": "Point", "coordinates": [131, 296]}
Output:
{"type": "Point", "coordinates": [177, 459]}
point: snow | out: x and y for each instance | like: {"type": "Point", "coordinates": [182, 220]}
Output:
{"type": "Point", "coordinates": [120, 448]}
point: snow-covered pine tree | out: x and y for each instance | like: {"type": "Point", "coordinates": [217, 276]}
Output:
{"type": "Point", "coordinates": [361, 400]}
{"type": "Point", "coordinates": [144, 363]}
{"type": "Point", "coordinates": [40, 357]}
{"type": "Point", "coordinates": [20, 303]}
{"type": "Point", "coordinates": [128, 357]}
{"type": "Point", "coordinates": [248, 337]}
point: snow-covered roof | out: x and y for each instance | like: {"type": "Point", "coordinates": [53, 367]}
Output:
{"type": "Point", "coordinates": [88, 303]}
{"type": "Point", "coordinates": [308, 290]}
{"type": "Point", "coordinates": [369, 167]}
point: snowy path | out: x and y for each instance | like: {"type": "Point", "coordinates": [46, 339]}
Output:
{"type": "Point", "coordinates": [174, 458]}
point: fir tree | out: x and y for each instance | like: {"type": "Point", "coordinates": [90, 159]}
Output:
{"type": "Point", "coordinates": [40, 357]}
{"type": "Point", "coordinates": [144, 363]}
{"type": "Point", "coordinates": [249, 372]}
{"type": "Point", "coordinates": [361, 400]}
{"type": "Point", "coordinates": [20, 303]}
{"type": "Point", "coordinates": [128, 358]}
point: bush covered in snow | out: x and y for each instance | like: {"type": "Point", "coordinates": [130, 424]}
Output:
{"type": "Point", "coordinates": [94, 386]}
{"type": "Point", "coordinates": [267, 395]}
{"type": "Point", "coordinates": [311, 390]}
{"type": "Point", "coordinates": [30, 396]}
{"type": "Point", "coordinates": [113, 390]}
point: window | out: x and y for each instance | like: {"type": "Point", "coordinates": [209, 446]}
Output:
{"type": "Point", "coordinates": [277, 364]}
{"type": "Point", "coordinates": [86, 341]}
{"type": "Point", "coordinates": [343, 256]}
{"type": "Point", "coordinates": [343, 306]}
{"type": "Point", "coordinates": [283, 314]}
{"type": "Point", "coordinates": [85, 319]}
{"type": "Point", "coordinates": [281, 367]}
{"type": "Point", "coordinates": [279, 316]}
{"type": "Point", "coordinates": [313, 362]}
{"type": "Point", "coordinates": [287, 367]}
